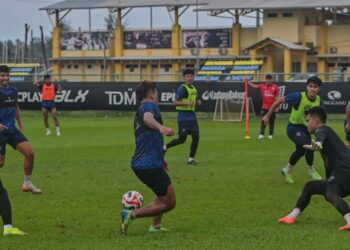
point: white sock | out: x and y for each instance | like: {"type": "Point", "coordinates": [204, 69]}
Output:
{"type": "Point", "coordinates": [58, 130]}
{"type": "Point", "coordinates": [311, 168]}
{"type": "Point", "coordinates": [295, 213]}
{"type": "Point", "coordinates": [8, 226]}
{"type": "Point", "coordinates": [48, 130]}
{"type": "Point", "coordinates": [347, 218]}
{"type": "Point", "coordinates": [27, 179]}
{"type": "Point", "coordinates": [164, 147]}
{"type": "Point", "coordinates": [190, 159]}
{"type": "Point", "coordinates": [288, 168]}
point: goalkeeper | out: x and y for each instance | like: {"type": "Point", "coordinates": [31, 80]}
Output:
{"type": "Point", "coordinates": [337, 163]}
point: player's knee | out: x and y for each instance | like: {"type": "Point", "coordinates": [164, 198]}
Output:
{"type": "Point", "coordinates": [29, 153]}
{"type": "Point", "coordinates": [300, 152]}
{"type": "Point", "coordinates": [170, 204]}
{"type": "Point", "coordinates": [182, 139]}
{"type": "Point", "coordinates": [331, 197]}
{"type": "Point", "coordinates": [300, 149]}
{"type": "Point", "coordinates": [3, 191]}
{"type": "Point", "coordinates": [307, 188]}
{"type": "Point", "coordinates": [2, 188]}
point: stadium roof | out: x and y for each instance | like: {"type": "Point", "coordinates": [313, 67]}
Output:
{"type": "Point", "coordinates": [153, 58]}
{"type": "Point", "coordinates": [93, 4]}
{"type": "Point", "coordinates": [336, 56]}
{"type": "Point", "coordinates": [272, 4]}
{"type": "Point", "coordinates": [279, 41]}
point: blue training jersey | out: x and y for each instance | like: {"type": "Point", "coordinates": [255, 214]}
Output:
{"type": "Point", "coordinates": [149, 142]}
{"type": "Point", "coordinates": [184, 115]}
{"type": "Point", "coordinates": [8, 107]}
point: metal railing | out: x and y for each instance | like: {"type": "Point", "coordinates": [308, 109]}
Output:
{"type": "Point", "coordinates": [137, 77]}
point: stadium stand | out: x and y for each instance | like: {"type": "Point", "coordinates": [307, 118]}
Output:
{"type": "Point", "coordinates": [22, 71]}
{"type": "Point", "coordinates": [234, 70]}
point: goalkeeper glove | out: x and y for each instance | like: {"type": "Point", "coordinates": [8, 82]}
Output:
{"type": "Point", "coordinates": [314, 146]}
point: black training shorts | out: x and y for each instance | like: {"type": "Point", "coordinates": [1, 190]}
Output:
{"type": "Point", "coordinates": [154, 178]}
{"type": "Point", "coordinates": [12, 138]}
{"type": "Point", "coordinates": [341, 178]}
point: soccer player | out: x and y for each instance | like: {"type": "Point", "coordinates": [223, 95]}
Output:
{"type": "Point", "coordinates": [6, 214]}
{"type": "Point", "coordinates": [296, 129]}
{"type": "Point", "coordinates": [148, 161]}
{"type": "Point", "coordinates": [48, 90]}
{"type": "Point", "coordinates": [269, 94]}
{"type": "Point", "coordinates": [9, 134]}
{"type": "Point", "coordinates": [186, 101]}
{"type": "Point", "coordinates": [337, 163]}
{"type": "Point", "coordinates": [347, 125]}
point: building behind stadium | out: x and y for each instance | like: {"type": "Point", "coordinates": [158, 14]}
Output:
{"type": "Point", "coordinates": [290, 37]}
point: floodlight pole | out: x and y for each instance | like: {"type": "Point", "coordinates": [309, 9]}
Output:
{"type": "Point", "coordinates": [151, 18]}
{"type": "Point", "coordinates": [89, 20]}
{"type": "Point", "coordinates": [246, 102]}
{"type": "Point", "coordinates": [197, 43]}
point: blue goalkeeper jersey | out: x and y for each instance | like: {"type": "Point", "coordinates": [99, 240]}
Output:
{"type": "Point", "coordinates": [149, 142]}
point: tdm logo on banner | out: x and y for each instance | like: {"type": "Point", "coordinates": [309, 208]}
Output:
{"type": "Point", "coordinates": [121, 98]}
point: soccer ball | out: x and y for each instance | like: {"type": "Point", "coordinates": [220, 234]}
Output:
{"type": "Point", "coordinates": [132, 200]}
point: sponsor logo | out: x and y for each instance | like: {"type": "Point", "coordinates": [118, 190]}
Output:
{"type": "Point", "coordinates": [334, 99]}
{"type": "Point", "coordinates": [167, 97]}
{"type": "Point", "coordinates": [65, 96]}
{"type": "Point", "coordinates": [121, 97]}
{"type": "Point", "coordinates": [331, 179]}
{"type": "Point", "coordinates": [214, 95]}
{"type": "Point", "coordinates": [334, 95]}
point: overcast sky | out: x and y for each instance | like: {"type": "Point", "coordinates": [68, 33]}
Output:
{"type": "Point", "coordinates": [15, 13]}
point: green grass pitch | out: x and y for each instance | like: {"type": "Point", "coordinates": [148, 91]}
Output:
{"type": "Point", "coordinates": [231, 200]}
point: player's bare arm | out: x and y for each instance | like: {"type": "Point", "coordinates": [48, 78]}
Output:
{"type": "Point", "coordinates": [275, 106]}
{"type": "Point", "coordinates": [37, 83]}
{"type": "Point", "coordinates": [149, 120]}
{"type": "Point", "coordinates": [59, 87]}
{"type": "Point", "coordinates": [19, 118]}
{"type": "Point", "coordinates": [252, 85]}
{"type": "Point", "coordinates": [2, 127]}
{"type": "Point", "coordinates": [183, 103]}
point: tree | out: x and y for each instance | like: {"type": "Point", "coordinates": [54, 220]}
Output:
{"type": "Point", "coordinates": [110, 21]}
{"type": "Point", "coordinates": [65, 25]}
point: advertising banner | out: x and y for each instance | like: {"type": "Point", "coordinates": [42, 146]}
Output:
{"type": "Point", "coordinates": [122, 96]}
{"type": "Point", "coordinates": [209, 38]}
{"type": "Point", "coordinates": [147, 39]}
{"type": "Point", "coordinates": [97, 40]}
